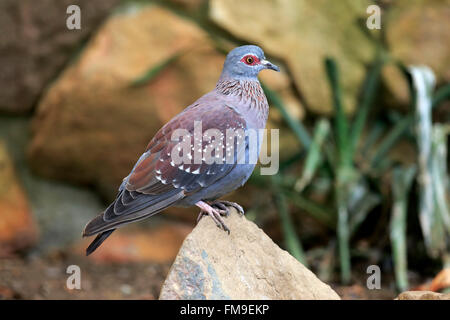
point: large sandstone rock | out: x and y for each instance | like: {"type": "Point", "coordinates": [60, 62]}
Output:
{"type": "Point", "coordinates": [246, 264]}
{"type": "Point", "coordinates": [418, 33]}
{"type": "Point", "coordinates": [303, 33]}
{"type": "Point", "coordinates": [35, 44]}
{"type": "Point", "coordinates": [17, 227]}
{"type": "Point", "coordinates": [91, 125]}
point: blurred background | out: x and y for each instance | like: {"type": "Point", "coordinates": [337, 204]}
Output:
{"type": "Point", "coordinates": [364, 119]}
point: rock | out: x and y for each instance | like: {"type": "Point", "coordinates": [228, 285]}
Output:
{"type": "Point", "coordinates": [35, 44]}
{"type": "Point", "coordinates": [160, 244]}
{"type": "Point", "coordinates": [418, 33]}
{"type": "Point", "coordinates": [245, 264]}
{"type": "Point", "coordinates": [60, 210]}
{"type": "Point", "coordinates": [440, 282]}
{"type": "Point", "coordinates": [17, 227]}
{"type": "Point", "coordinates": [423, 295]}
{"type": "Point", "coordinates": [304, 34]}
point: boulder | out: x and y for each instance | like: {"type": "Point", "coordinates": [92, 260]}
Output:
{"type": "Point", "coordinates": [17, 227]}
{"type": "Point", "coordinates": [417, 33]}
{"type": "Point", "coordinates": [35, 44]}
{"type": "Point", "coordinates": [59, 209]}
{"type": "Point", "coordinates": [423, 295]}
{"type": "Point", "coordinates": [440, 282]}
{"type": "Point", "coordinates": [245, 264]}
{"type": "Point", "coordinates": [303, 33]}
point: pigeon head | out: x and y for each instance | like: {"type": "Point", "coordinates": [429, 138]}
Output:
{"type": "Point", "coordinates": [246, 62]}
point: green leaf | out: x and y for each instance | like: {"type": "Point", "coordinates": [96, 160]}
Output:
{"type": "Point", "coordinates": [403, 125]}
{"type": "Point", "coordinates": [315, 210]}
{"type": "Point", "coordinates": [314, 157]}
{"type": "Point", "coordinates": [360, 202]}
{"type": "Point", "coordinates": [293, 243]}
{"type": "Point", "coordinates": [343, 232]}
{"type": "Point", "coordinates": [439, 173]}
{"type": "Point", "coordinates": [369, 90]}
{"type": "Point", "coordinates": [401, 182]}
{"type": "Point", "coordinates": [442, 94]}
{"type": "Point", "coordinates": [430, 218]}
{"type": "Point", "coordinates": [341, 124]}
{"type": "Point", "coordinates": [375, 132]}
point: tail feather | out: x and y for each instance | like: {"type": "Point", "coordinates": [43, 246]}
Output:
{"type": "Point", "coordinates": [100, 224]}
{"type": "Point", "coordinates": [104, 227]}
{"type": "Point", "coordinates": [98, 241]}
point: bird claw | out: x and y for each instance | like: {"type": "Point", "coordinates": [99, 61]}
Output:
{"type": "Point", "coordinates": [223, 209]}
{"type": "Point", "coordinates": [223, 205]}
{"type": "Point", "coordinates": [215, 214]}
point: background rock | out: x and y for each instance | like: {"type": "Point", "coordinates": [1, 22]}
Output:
{"type": "Point", "coordinates": [303, 33]}
{"type": "Point", "coordinates": [35, 44]}
{"type": "Point", "coordinates": [17, 227]}
{"type": "Point", "coordinates": [418, 33]}
{"type": "Point", "coordinates": [243, 265]}
{"type": "Point", "coordinates": [60, 210]}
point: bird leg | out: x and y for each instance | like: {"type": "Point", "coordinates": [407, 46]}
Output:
{"type": "Point", "coordinates": [214, 213]}
{"type": "Point", "coordinates": [223, 205]}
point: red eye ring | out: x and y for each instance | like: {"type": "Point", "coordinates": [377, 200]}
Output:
{"type": "Point", "coordinates": [250, 60]}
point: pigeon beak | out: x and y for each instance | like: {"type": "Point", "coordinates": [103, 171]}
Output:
{"type": "Point", "coordinates": [269, 65]}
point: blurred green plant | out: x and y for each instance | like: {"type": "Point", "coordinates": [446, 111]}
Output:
{"type": "Point", "coordinates": [432, 176]}
{"type": "Point", "coordinates": [402, 178]}
{"type": "Point", "coordinates": [353, 160]}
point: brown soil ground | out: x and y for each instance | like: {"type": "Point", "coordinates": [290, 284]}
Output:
{"type": "Point", "coordinates": [39, 278]}
{"type": "Point", "coordinates": [45, 278]}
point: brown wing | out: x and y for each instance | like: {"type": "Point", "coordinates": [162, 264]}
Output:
{"type": "Point", "coordinates": [156, 181]}
{"type": "Point", "coordinates": [157, 173]}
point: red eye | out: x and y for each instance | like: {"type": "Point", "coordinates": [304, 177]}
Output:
{"type": "Point", "coordinates": [250, 60]}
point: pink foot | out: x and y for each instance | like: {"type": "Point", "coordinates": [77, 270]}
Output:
{"type": "Point", "coordinates": [215, 214]}
{"type": "Point", "coordinates": [224, 205]}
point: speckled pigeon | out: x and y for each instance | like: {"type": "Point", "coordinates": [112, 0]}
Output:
{"type": "Point", "coordinates": [156, 182]}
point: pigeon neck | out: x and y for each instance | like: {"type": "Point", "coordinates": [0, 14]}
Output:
{"type": "Point", "coordinates": [249, 96]}
{"type": "Point", "coordinates": [235, 86]}
{"type": "Point", "coordinates": [226, 76]}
